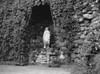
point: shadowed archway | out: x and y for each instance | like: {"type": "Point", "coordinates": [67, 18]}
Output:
{"type": "Point", "coordinates": [40, 18]}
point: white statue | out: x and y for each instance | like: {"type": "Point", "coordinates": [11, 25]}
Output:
{"type": "Point", "coordinates": [46, 38]}
{"type": "Point", "coordinates": [61, 55]}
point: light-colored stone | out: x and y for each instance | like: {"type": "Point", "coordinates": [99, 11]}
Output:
{"type": "Point", "coordinates": [97, 1]}
{"type": "Point", "coordinates": [82, 36]}
{"type": "Point", "coordinates": [84, 32]}
{"type": "Point", "coordinates": [90, 12]}
{"type": "Point", "coordinates": [95, 19]}
{"type": "Point", "coordinates": [84, 10]}
{"type": "Point", "coordinates": [86, 41]}
{"type": "Point", "coordinates": [95, 24]}
{"type": "Point", "coordinates": [79, 33]}
{"type": "Point", "coordinates": [94, 8]}
{"type": "Point", "coordinates": [82, 28]}
{"type": "Point", "coordinates": [95, 14]}
{"type": "Point", "coordinates": [79, 41]}
{"type": "Point", "coordinates": [92, 5]}
{"type": "Point", "coordinates": [81, 19]}
{"type": "Point", "coordinates": [75, 16]}
{"type": "Point", "coordinates": [88, 16]}
{"type": "Point", "coordinates": [85, 3]}
{"type": "Point", "coordinates": [82, 24]}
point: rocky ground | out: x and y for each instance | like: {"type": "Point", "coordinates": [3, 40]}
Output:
{"type": "Point", "coordinates": [33, 69]}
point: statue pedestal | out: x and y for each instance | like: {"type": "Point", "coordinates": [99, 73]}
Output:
{"type": "Point", "coordinates": [43, 57]}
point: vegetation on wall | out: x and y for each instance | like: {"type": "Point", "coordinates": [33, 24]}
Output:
{"type": "Point", "coordinates": [77, 31]}
{"type": "Point", "coordinates": [14, 17]}
{"type": "Point", "coordinates": [76, 25]}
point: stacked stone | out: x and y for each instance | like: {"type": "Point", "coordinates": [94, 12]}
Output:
{"type": "Point", "coordinates": [41, 58]}
{"type": "Point", "coordinates": [89, 21]}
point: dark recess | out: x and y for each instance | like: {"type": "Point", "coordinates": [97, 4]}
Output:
{"type": "Point", "coordinates": [40, 18]}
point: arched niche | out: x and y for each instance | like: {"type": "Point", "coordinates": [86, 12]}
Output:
{"type": "Point", "coordinates": [41, 17]}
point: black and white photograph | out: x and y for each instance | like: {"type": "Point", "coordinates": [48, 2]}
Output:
{"type": "Point", "coordinates": [49, 36]}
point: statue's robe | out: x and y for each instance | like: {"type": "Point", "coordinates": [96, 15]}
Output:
{"type": "Point", "coordinates": [46, 38]}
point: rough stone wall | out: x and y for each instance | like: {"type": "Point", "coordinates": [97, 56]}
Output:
{"type": "Point", "coordinates": [76, 26]}
{"type": "Point", "coordinates": [14, 17]}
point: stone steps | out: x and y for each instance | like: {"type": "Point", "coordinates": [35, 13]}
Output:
{"type": "Point", "coordinates": [41, 58]}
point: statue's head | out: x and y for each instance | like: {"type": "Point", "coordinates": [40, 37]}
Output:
{"type": "Point", "coordinates": [46, 28]}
